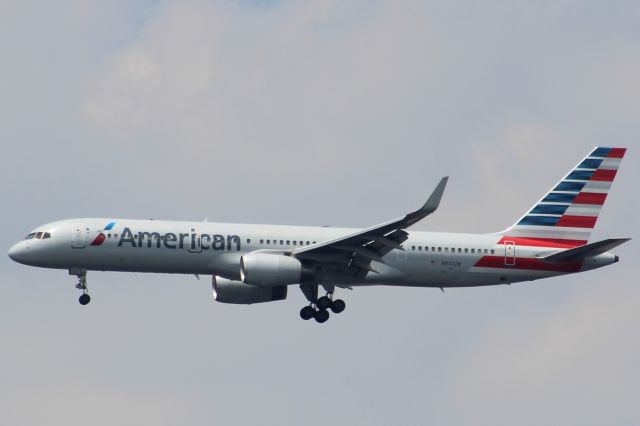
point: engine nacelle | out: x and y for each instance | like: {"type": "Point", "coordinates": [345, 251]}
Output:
{"type": "Point", "coordinates": [237, 292]}
{"type": "Point", "coordinates": [262, 269]}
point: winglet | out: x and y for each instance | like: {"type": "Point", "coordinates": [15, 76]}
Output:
{"type": "Point", "coordinates": [430, 206]}
{"type": "Point", "coordinates": [434, 200]}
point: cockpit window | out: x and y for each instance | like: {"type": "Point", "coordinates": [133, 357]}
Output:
{"type": "Point", "coordinates": [30, 236]}
{"type": "Point", "coordinates": [39, 235]}
{"type": "Point", "coordinates": [46, 235]}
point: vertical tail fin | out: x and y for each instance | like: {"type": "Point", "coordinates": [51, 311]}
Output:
{"type": "Point", "coordinates": [567, 214]}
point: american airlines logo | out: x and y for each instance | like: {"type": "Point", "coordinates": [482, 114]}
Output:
{"type": "Point", "coordinates": [101, 237]}
{"type": "Point", "coordinates": [173, 241]}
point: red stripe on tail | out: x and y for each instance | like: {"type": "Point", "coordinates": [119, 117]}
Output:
{"type": "Point", "coordinates": [577, 221]}
{"type": "Point", "coordinates": [604, 175]}
{"type": "Point", "coordinates": [617, 152]}
{"type": "Point", "coordinates": [590, 198]}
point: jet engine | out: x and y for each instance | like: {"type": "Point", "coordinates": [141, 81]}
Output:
{"type": "Point", "coordinates": [237, 292]}
{"type": "Point", "coordinates": [262, 269]}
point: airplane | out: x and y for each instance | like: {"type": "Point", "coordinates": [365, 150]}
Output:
{"type": "Point", "coordinates": [257, 263]}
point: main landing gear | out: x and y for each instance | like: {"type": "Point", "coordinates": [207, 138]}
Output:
{"type": "Point", "coordinates": [319, 307]}
{"type": "Point", "coordinates": [82, 285]}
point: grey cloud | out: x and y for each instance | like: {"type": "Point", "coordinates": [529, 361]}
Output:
{"type": "Point", "coordinates": [339, 113]}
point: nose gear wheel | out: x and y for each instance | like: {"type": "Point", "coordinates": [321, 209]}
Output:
{"type": "Point", "coordinates": [84, 298]}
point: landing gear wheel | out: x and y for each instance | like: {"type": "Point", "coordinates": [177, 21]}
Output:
{"type": "Point", "coordinates": [338, 306]}
{"type": "Point", "coordinates": [324, 302]}
{"type": "Point", "coordinates": [307, 313]}
{"type": "Point", "coordinates": [321, 315]}
{"type": "Point", "coordinates": [84, 299]}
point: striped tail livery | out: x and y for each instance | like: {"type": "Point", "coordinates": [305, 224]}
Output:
{"type": "Point", "coordinates": [566, 215]}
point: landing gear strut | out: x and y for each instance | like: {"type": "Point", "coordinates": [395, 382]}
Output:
{"type": "Point", "coordinates": [318, 307]}
{"type": "Point", "coordinates": [82, 285]}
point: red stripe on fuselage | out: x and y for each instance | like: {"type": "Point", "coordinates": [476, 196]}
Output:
{"type": "Point", "coordinates": [99, 240]}
{"type": "Point", "coordinates": [543, 242]}
{"type": "Point", "coordinates": [603, 175]}
{"type": "Point", "coordinates": [590, 198]}
{"type": "Point", "coordinates": [528, 263]}
{"type": "Point", "coordinates": [577, 221]}
{"type": "Point", "coordinates": [617, 152]}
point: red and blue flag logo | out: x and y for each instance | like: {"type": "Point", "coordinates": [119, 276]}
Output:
{"type": "Point", "coordinates": [101, 237]}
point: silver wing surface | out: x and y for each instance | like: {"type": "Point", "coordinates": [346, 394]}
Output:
{"type": "Point", "coordinates": [354, 253]}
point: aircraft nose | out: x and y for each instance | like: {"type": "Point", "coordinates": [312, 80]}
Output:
{"type": "Point", "coordinates": [16, 253]}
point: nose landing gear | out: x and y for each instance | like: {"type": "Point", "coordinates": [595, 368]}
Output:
{"type": "Point", "coordinates": [84, 299]}
{"type": "Point", "coordinates": [82, 285]}
{"type": "Point", "coordinates": [318, 308]}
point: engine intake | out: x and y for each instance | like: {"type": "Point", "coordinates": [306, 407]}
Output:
{"type": "Point", "coordinates": [268, 270]}
{"type": "Point", "coordinates": [237, 292]}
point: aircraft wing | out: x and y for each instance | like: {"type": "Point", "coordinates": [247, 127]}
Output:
{"type": "Point", "coordinates": [371, 244]}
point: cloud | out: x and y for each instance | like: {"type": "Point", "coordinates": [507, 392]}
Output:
{"type": "Point", "coordinates": [576, 362]}
{"type": "Point", "coordinates": [258, 88]}
{"type": "Point", "coordinates": [319, 112]}
{"type": "Point", "coordinates": [99, 404]}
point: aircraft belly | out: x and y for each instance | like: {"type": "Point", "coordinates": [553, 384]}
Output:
{"type": "Point", "coordinates": [159, 260]}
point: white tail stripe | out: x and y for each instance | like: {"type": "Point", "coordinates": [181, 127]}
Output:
{"type": "Point", "coordinates": [583, 210]}
{"type": "Point", "coordinates": [597, 186]}
{"type": "Point", "coordinates": [610, 163]}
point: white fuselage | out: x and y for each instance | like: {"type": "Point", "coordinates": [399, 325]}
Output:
{"type": "Point", "coordinates": [429, 259]}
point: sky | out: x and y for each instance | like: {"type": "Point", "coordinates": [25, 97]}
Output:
{"type": "Point", "coordinates": [341, 113]}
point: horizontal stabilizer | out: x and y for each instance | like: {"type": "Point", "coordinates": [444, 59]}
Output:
{"type": "Point", "coordinates": [587, 250]}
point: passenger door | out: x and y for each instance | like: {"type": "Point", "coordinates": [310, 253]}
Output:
{"type": "Point", "coordinates": [78, 236]}
{"type": "Point", "coordinates": [509, 253]}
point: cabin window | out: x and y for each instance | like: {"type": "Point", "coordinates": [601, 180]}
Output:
{"type": "Point", "coordinates": [261, 241]}
{"type": "Point", "coordinates": [413, 248]}
{"type": "Point", "coordinates": [492, 251]}
{"type": "Point", "coordinates": [459, 250]}
{"type": "Point", "coordinates": [485, 251]}
{"type": "Point", "coordinates": [473, 250]}
{"type": "Point", "coordinates": [295, 243]}
{"type": "Point", "coordinates": [419, 248]}
{"type": "Point", "coordinates": [268, 241]}
{"type": "Point", "coordinates": [288, 242]}
{"type": "Point", "coordinates": [446, 249]}
{"type": "Point", "coordinates": [433, 249]}
{"type": "Point", "coordinates": [314, 242]}
{"type": "Point", "coordinates": [466, 250]}
{"type": "Point", "coordinates": [439, 248]}
{"type": "Point", "coordinates": [248, 241]}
